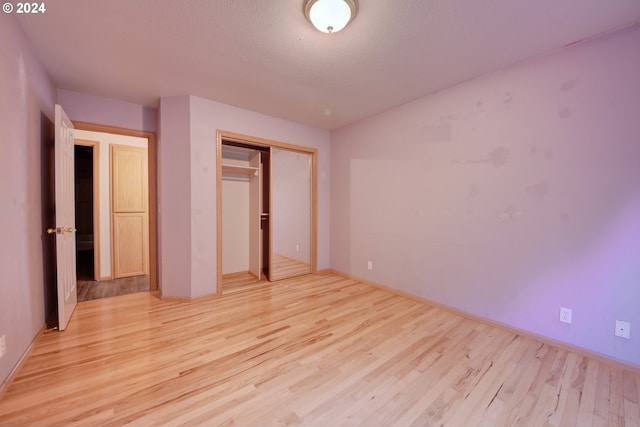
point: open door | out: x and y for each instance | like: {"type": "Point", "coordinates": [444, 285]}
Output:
{"type": "Point", "coordinates": [65, 229]}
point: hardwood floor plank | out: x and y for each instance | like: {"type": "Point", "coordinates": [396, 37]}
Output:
{"type": "Point", "coordinates": [588, 400]}
{"type": "Point", "coordinates": [313, 350]}
{"type": "Point", "coordinates": [511, 397]}
{"type": "Point", "coordinates": [240, 281]}
{"type": "Point", "coordinates": [632, 405]}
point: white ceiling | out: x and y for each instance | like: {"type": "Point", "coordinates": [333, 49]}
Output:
{"type": "Point", "coordinates": [263, 55]}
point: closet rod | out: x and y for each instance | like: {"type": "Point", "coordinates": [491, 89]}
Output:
{"type": "Point", "coordinates": [239, 178]}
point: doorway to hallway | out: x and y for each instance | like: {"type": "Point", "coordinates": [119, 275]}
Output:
{"type": "Point", "coordinates": [104, 225]}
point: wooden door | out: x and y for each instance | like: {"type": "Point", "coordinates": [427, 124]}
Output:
{"type": "Point", "coordinates": [65, 218]}
{"type": "Point", "coordinates": [255, 209]}
{"type": "Point", "coordinates": [129, 211]}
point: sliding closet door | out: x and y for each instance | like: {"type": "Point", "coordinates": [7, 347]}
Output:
{"type": "Point", "coordinates": [282, 222]}
{"type": "Point", "coordinates": [255, 209]}
{"type": "Point", "coordinates": [290, 213]}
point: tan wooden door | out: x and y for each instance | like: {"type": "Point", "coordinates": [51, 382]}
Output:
{"type": "Point", "coordinates": [129, 211]}
{"type": "Point", "coordinates": [65, 226]}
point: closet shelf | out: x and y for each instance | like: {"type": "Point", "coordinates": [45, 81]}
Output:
{"type": "Point", "coordinates": [244, 170]}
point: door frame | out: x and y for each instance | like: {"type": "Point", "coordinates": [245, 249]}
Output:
{"type": "Point", "coordinates": [152, 160]}
{"type": "Point", "coordinates": [96, 203]}
{"type": "Point", "coordinates": [261, 142]}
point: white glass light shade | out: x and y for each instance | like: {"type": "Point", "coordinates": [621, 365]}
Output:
{"type": "Point", "coordinates": [330, 16]}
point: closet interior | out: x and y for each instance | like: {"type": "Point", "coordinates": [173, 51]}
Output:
{"type": "Point", "coordinates": [266, 230]}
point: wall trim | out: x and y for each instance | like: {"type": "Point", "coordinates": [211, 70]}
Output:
{"type": "Point", "coordinates": [16, 369]}
{"type": "Point", "coordinates": [188, 300]}
{"type": "Point", "coordinates": [603, 358]}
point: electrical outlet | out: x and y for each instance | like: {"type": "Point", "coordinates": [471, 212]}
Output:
{"type": "Point", "coordinates": [623, 329]}
{"type": "Point", "coordinates": [3, 346]}
{"type": "Point", "coordinates": [370, 265]}
{"type": "Point", "coordinates": [565, 315]}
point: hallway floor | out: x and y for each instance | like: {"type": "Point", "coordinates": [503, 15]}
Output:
{"type": "Point", "coordinates": [90, 289]}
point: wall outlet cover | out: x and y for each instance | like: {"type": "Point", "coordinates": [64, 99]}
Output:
{"type": "Point", "coordinates": [623, 329]}
{"type": "Point", "coordinates": [565, 315]}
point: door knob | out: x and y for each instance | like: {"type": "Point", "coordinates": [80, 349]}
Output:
{"type": "Point", "coordinates": [60, 230]}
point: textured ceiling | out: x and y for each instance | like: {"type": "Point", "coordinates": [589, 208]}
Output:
{"type": "Point", "coordinates": [264, 56]}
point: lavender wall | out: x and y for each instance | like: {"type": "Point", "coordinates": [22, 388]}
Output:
{"type": "Point", "coordinates": [174, 197]}
{"type": "Point", "coordinates": [507, 196]}
{"type": "Point", "coordinates": [197, 275]}
{"type": "Point", "coordinates": [109, 112]}
{"type": "Point", "coordinates": [26, 94]}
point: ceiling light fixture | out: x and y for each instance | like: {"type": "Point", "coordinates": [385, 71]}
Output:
{"type": "Point", "coordinates": [330, 16]}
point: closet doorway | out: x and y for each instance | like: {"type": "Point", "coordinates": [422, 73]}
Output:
{"type": "Point", "coordinates": [266, 206]}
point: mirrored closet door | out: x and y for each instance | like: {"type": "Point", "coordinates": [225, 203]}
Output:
{"type": "Point", "coordinates": [290, 225]}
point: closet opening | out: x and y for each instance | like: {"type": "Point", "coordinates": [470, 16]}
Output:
{"type": "Point", "coordinates": [266, 211]}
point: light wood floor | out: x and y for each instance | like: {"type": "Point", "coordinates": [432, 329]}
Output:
{"type": "Point", "coordinates": [241, 281]}
{"type": "Point", "coordinates": [284, 267]}
{"type": "Point", "coordinates": [313, 351]}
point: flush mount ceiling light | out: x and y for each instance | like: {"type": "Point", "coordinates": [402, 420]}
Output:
{"type": "Point", "coordinates": [330, 16]}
